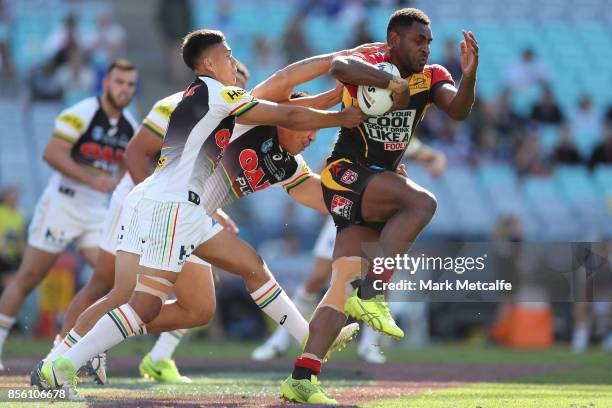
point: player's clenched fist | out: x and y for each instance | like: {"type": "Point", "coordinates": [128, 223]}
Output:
{"type": "Point", "coordinates": [351, 117]}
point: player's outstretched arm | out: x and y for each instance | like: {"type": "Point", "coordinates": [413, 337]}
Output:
{"type": "Point", "coordinates": [457, 103]}
{"type": "Point", "coordinates": [300, 118]}
{"type": "Point", "coordinates": [141, 152]}
{"type": "Point", "coordinates": [324, 100]}
{"type": "Point", "coordinates": [57, 155]}
{"type": "Point", "coordinates": [278, 87]}
{"type": "Point", "coordinates": [310, 194]}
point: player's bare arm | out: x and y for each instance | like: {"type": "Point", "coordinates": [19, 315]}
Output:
{"type": "Point", "coordinates": [57, 155]}
{"type": "Point", "coordinates": [457, 103]}
{"type": "Point", "coordinates": [300, 118]}
{"type": "Point", "coordinates": [309, 193]}
{"type": "Point", "coordinates": [355, 71]}
{"type": "Point", "coordinates": [141, 152]}
{"type": "Point", "coordinates": [324, 100]}
{"type": "Point", "coordinates": [278, 87]}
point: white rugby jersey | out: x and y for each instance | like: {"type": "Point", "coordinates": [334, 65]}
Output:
{"type": "Point", "coordinates": [98, 141]}
{"type": "Point", "coordinates": [199, 130]}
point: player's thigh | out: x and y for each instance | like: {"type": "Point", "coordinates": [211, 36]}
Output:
{"type": "Point", "coordinates": [104, 269]}
{"type": "Point", "coordinates": [126, 270]}
{"type": "Point", "coordinates": [350, 240]}
{"type": "Point", "coordinates": [90, 254]}
{"type": "Point", "coordinates": [227, 251]}
{"type": "Point", "coordinates": [35, 265]}
{"type": "Point", "coordinates": [388, 192]}
{"type": "Point", "coordinates": [195, 288]}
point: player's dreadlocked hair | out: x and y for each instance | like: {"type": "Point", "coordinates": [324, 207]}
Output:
{"type": "Point", "coordinates": [404, 18]}
{"type": "Point", "coordinates": [197, 42]}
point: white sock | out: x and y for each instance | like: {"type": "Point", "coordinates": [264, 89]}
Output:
{"type": "Point", "coordinates": [6, 322]}
{"type": "Point", "coordinates": [166, 344]}
{"type": "Point", "coordinates": [110, 330]}
{"type": "Point", "coordinates": [63, 346]}
{"type": "Point", "coordinates": [305, 303]}
{"type": "Point", "coordinates": [274, 302]}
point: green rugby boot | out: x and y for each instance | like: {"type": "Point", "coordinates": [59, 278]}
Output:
{"type": "Point", "coordinates": [164, 371]}
{"type": "Point", "coordinates": [375, 313]}
{"type": "Point", "coordinates": [305, 391]}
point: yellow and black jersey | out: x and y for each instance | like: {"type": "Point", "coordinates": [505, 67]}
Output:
{"type": "Point", "coordinates": [382, 140]}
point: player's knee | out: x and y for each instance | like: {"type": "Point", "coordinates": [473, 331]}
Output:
{"type": "Point", "coordinates": [421, 204]}
{"type": "Point", "coordinates": [146, 306]}
{"type": "Point", "coordinates": [426, 204]}
{"type": "Point", "coordinates": [202, 314]}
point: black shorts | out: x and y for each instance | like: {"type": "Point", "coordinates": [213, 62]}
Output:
{"type": "Point", "coordinates": [343, 182]}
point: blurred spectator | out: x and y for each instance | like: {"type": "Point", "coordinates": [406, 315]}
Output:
{"type": "Point", "coordinates": [602, 154]}
{"type": "Point", "coordinates": [6, 64]}
{"type": "Point", "coordinates": [294, 44]}
{"type": "Point", "coordinates": [265, 55]}
{"type": "Point", "coordinates": [608, 116]}
{"type": "Point", "coordinates": [585, 122]}
{"type": "Point", "coordinates": [224, 20]}
{"type": "Point", "coordinates": [361, 35]}
{"type": "Point", "coordinates": [528, 158]}
{"type": "Point", "coordinates": [12, 233]}
{"type": "Point", "coordinates": [451, 60]}
{"type": "Point", "coordinates": [566, 152]}
{"type": "Point", "coordinates": [526, 72]}
{"type": "Point", "coordinates": [501, 115]}
{"type": "Point", "coordinates": [77, 78]}
{"type": "Point", "coordinates": [174, 20]}
{"type": "Point", "coordinates": [42, 83]}
{"type": "Point", "coordinates": [486, 147]}
{"type": "Point", "coordinates": [62, 42]}
{"type": "Point", "coordinates": [546, 110]}
{"type": "Point", "coordinates": [106, 42]}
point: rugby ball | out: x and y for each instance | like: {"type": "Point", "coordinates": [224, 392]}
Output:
{"type": "Point", "coordinates": [376, 101]}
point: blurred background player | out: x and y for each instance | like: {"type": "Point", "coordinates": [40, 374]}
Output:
{"type": "Point", "coordinates": [86, 148]}
{"type": "Point", "coordinates": [367, 199]}
{"type": "Point", "coordinates": [308, 292]}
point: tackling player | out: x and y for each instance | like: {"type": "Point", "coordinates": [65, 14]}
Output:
{"type": "Point", "coordinates": [107, 290]}
{"type": "Point", "coordinates": [169, 217]}
{"type": "Point", "coordinates": [86, 148]}
{"type": "Point", "coordinates": [368, 200]}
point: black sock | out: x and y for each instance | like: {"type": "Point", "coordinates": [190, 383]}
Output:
{"type": "Point", "coordinates": [302, 373]}
{"type": "Point", "coordinates": [366, 290]}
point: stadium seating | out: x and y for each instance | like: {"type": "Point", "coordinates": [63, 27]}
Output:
{"type": "Point", "coordinates": [563, 34]}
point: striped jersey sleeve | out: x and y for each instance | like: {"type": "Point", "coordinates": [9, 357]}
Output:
{"type": "Point", "coordinates": [72, 122]}
{"type": "Point", "coordinates": [302, 173]}
{"type": "Point", "coordinates": [235, 101]}
{"type": "Point", "coordinates": [159, 116]}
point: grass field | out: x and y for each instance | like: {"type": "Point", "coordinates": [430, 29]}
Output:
{"type": "Point", "coordinates": [445, 376]}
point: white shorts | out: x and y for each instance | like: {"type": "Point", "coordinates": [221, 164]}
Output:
{"type": "Point", "coordinates": [108, 237]}
{"type": "Point", "coordinates": [324, 247]}
{"type": "Point", "coordinates": [163, 233]}
{"type": "Point", "coordinates": [60, 219]}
